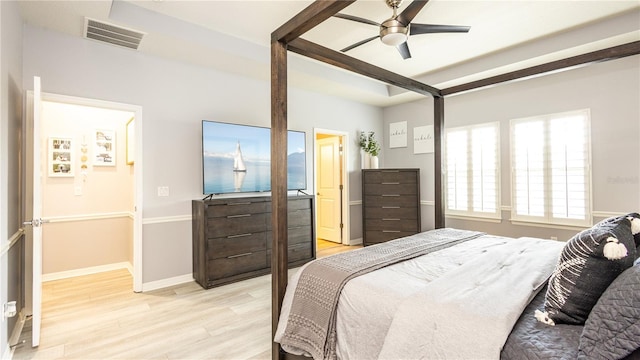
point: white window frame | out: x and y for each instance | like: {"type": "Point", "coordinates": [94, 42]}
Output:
{"type": "Point", "coordinates": [469, 192]}
{"type": "Point", "coordinates": [548, 217]}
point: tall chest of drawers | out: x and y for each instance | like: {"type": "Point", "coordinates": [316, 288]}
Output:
{"type": "Point", "coordinates": [232, 237]}
{"type": "Point", "coordinates": [390, 204]}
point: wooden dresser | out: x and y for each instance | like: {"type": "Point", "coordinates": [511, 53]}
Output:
{"type": "Point", "coordinates": [232, 237]}
{"type": "Point", "coordinates": [390, 204]}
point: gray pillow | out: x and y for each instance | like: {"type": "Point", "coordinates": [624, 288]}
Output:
{"type": "Point", "coordinates": [612, 330]}
{"type": "Point", "coordinates": [588, 264]}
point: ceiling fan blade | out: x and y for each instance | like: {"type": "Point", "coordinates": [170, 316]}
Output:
{"type": "Point", "coordinates": [359, 43]}
{"type": "Point", "coordinates": [417, 29]}
{"type": "Point", "coordinates": [403, 49]}
{"type": "Point", "coordinates": [356, 19]}
{"type": "Point", "coordinates": [411, 11]}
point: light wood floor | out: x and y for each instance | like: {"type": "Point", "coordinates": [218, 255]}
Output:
{"type": "Point", "coordinates": [99, 317]}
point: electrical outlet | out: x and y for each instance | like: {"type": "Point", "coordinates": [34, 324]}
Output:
{"type": "Point", "coordinates": [163, 191]}
{"type": "Point", "coordinates": [9, 310]}
{"type": "Point", "coordinates": [554, 238]}
{"type": "Point", "coordinates": [77, 191]}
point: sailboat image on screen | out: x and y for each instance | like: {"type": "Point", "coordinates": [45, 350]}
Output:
{"type": "Point", "coordinates": [238, 162]}
{"type": "Point", "coordinates": [239, 169]}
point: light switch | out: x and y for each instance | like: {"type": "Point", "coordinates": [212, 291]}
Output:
{"type": "Point", "coordinates": [77, 191]}
{"type": "Point", "coordinates": [163, 191]}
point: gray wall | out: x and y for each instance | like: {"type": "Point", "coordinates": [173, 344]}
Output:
{"type": "Point", "coordinates": [11, 180]}
{"type": "Point", "coordinates": [610, 90]}
{"type": "Point", "coordinates": [175, 97]}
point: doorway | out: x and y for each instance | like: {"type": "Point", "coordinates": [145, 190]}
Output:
{"type": "Point", "coordinates": [331, 178]}
{"type": "Point", "coordinates": [107, 148]}
{"type": "Point", "coordinates": [72, 147]}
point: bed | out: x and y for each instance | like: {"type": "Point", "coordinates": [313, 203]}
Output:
{"type": "Point", "coordinates": [287, 38]}
{"type": "Point", "coordinates": [450, 294]}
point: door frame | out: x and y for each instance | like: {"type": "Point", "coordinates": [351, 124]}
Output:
{"type": "Point", "coordinates": [346, 239]}
{"type": "Point", "coordinates": [137, 186]}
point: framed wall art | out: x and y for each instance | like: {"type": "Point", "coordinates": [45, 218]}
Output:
{"type": "Point", "coordinates": [398, 134]}
{"type": "Point", "coordinates": [60, 154]}
{"type": "Point", "coordinates": [423, 139]}
{"type": "Point", "coordinates": [104, 150]}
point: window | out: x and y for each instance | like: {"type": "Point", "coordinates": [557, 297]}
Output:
{"type": "Point", "coordinates": [551, 179]}
{"type": "Point", "coordinates": [473, 170]}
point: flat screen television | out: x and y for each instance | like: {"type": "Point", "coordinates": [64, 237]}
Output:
{"type": "Point", "coordinates": [237, 158]}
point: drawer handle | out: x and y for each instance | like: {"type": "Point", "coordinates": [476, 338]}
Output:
{"type": "Point", "coordinates": [237, 216]}
{"type": "Point", "coordinates": [388, 195]}
{"type": "Point", "coordinates": [239, 255]}
{"type": "Point", "coordinates": [391, 207]}
{"type": "Point", "coordinates": [390, 171]}
{"type": "Point", "coordinates": [390, 183]}
{"type": "Point", "coordinates": [390, 219]}
{"type": "Point", "coordinates": [239, 235]}
{"type": "Point", "coordinates": [239, 203]}
{"type": "Point", "coordinates": [390, 231]}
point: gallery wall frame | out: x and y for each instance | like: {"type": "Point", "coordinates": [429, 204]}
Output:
{"type": "Point", "coordinates": [61, 156]}
{"type": "Point", "coordinates": [104, 149]}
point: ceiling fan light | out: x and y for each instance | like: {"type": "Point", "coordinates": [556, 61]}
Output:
{"type": "Point", "coordinates": [394, 39]}
{"type": "Point", "coordinates": [393, 33]}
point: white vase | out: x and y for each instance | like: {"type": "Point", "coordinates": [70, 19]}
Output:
{"type": "Point", "coordinates": [374, 162]}
{"type": "Point", "coordinates": [365, 160]}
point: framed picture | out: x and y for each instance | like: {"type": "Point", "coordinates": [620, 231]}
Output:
{"type": "Point", "coordinates": [130, 141]}
{"type": "Point", "coordinates": [423, 139]}
{"type": "Point", "coordinates": [398, 134]}
{"type": "Point", "coordinates": [60, 153]}
{"type": "Point", "coordinates": [104, 150]}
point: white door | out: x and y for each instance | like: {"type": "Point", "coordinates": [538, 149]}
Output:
{"type": "Point", "coordinates": [33, 212]}
{"type": "Point", "coordinates": [328, 188]}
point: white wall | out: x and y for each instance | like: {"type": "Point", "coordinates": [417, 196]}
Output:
{"type": "Point", "coordinates": [609, 89]}
{"type": "Point", "coordinates": [175, 97]}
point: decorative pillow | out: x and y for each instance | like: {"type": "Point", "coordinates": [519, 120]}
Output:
{"type": "Point", "coordinates": [589, 262]}
{"type": "Point", "coordinates": [612, 330]}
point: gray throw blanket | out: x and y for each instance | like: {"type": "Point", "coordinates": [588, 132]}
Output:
{"type": "Point", "coordinates": [311, 325]}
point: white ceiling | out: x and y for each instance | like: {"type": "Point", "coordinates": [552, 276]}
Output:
{"type": "Point", "coordinates": [234, 36]}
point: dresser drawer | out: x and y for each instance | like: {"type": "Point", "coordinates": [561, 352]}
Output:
{"type": "Point", "coordinates": [390, 189]}
{"type": "Point", "coordinates": [390, 176]}
{"type": "Point", "coordinates": [236, 245]}
{"type": "Point", "coordinates": [295, 253]}
{"type": "Point", "coordinates": [296, 235]}
{"type": "Point", "coordinates": [393, 212]}
{"type": "Point", "coordinates": [236, 264]}
{"type": "Point", "coordinates": [237, 224]}
{"type": "Point", "coordinates": [393, 224]}
{"type": "Point", "coordinates": [377, 236]}
{"type": "Point", "coordinates": [237, 207]}
{"type": "Point", "coordinates": [294, 218]}
{"type": "Point", "coordinates": [390, 201]}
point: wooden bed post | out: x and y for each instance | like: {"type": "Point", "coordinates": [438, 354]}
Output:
{"type": "Point", "coordinates": [278, 185]}
{"type": "Point", "coordinates": [438, 133]}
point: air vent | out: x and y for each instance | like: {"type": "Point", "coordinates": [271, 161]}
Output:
{"type": "Point", "coordinates": [112, 34]}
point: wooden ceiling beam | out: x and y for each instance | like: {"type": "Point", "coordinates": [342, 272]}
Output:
{"type": "Point", "coordinates": [338, 59]}
{"type": "Point", "coordinates": [308, 18]}
{"type": "Point", "coordinates": [615, 52]}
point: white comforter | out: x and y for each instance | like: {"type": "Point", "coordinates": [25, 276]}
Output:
{"type": "Point", "coordinates": [383, 314]}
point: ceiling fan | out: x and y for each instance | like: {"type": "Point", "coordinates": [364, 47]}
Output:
{"type": "Point", "coordinates": [395, 30]}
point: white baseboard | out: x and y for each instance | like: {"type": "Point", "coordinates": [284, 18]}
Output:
{"type": "Point", "coordinates": [357, 241]}
{"type": "Point", "coordinates": [87, 271]}
{"type": "Point", "coordinates": [159, 284]}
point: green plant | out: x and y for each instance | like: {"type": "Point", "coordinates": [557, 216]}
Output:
{"type": "Point", "coordinates": [368, 143]}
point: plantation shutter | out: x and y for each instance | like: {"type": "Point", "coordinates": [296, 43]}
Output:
{"type": "Point", "coordinates": [472, 171]}
{"type": "Point", "coordinates": [550, 169]}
